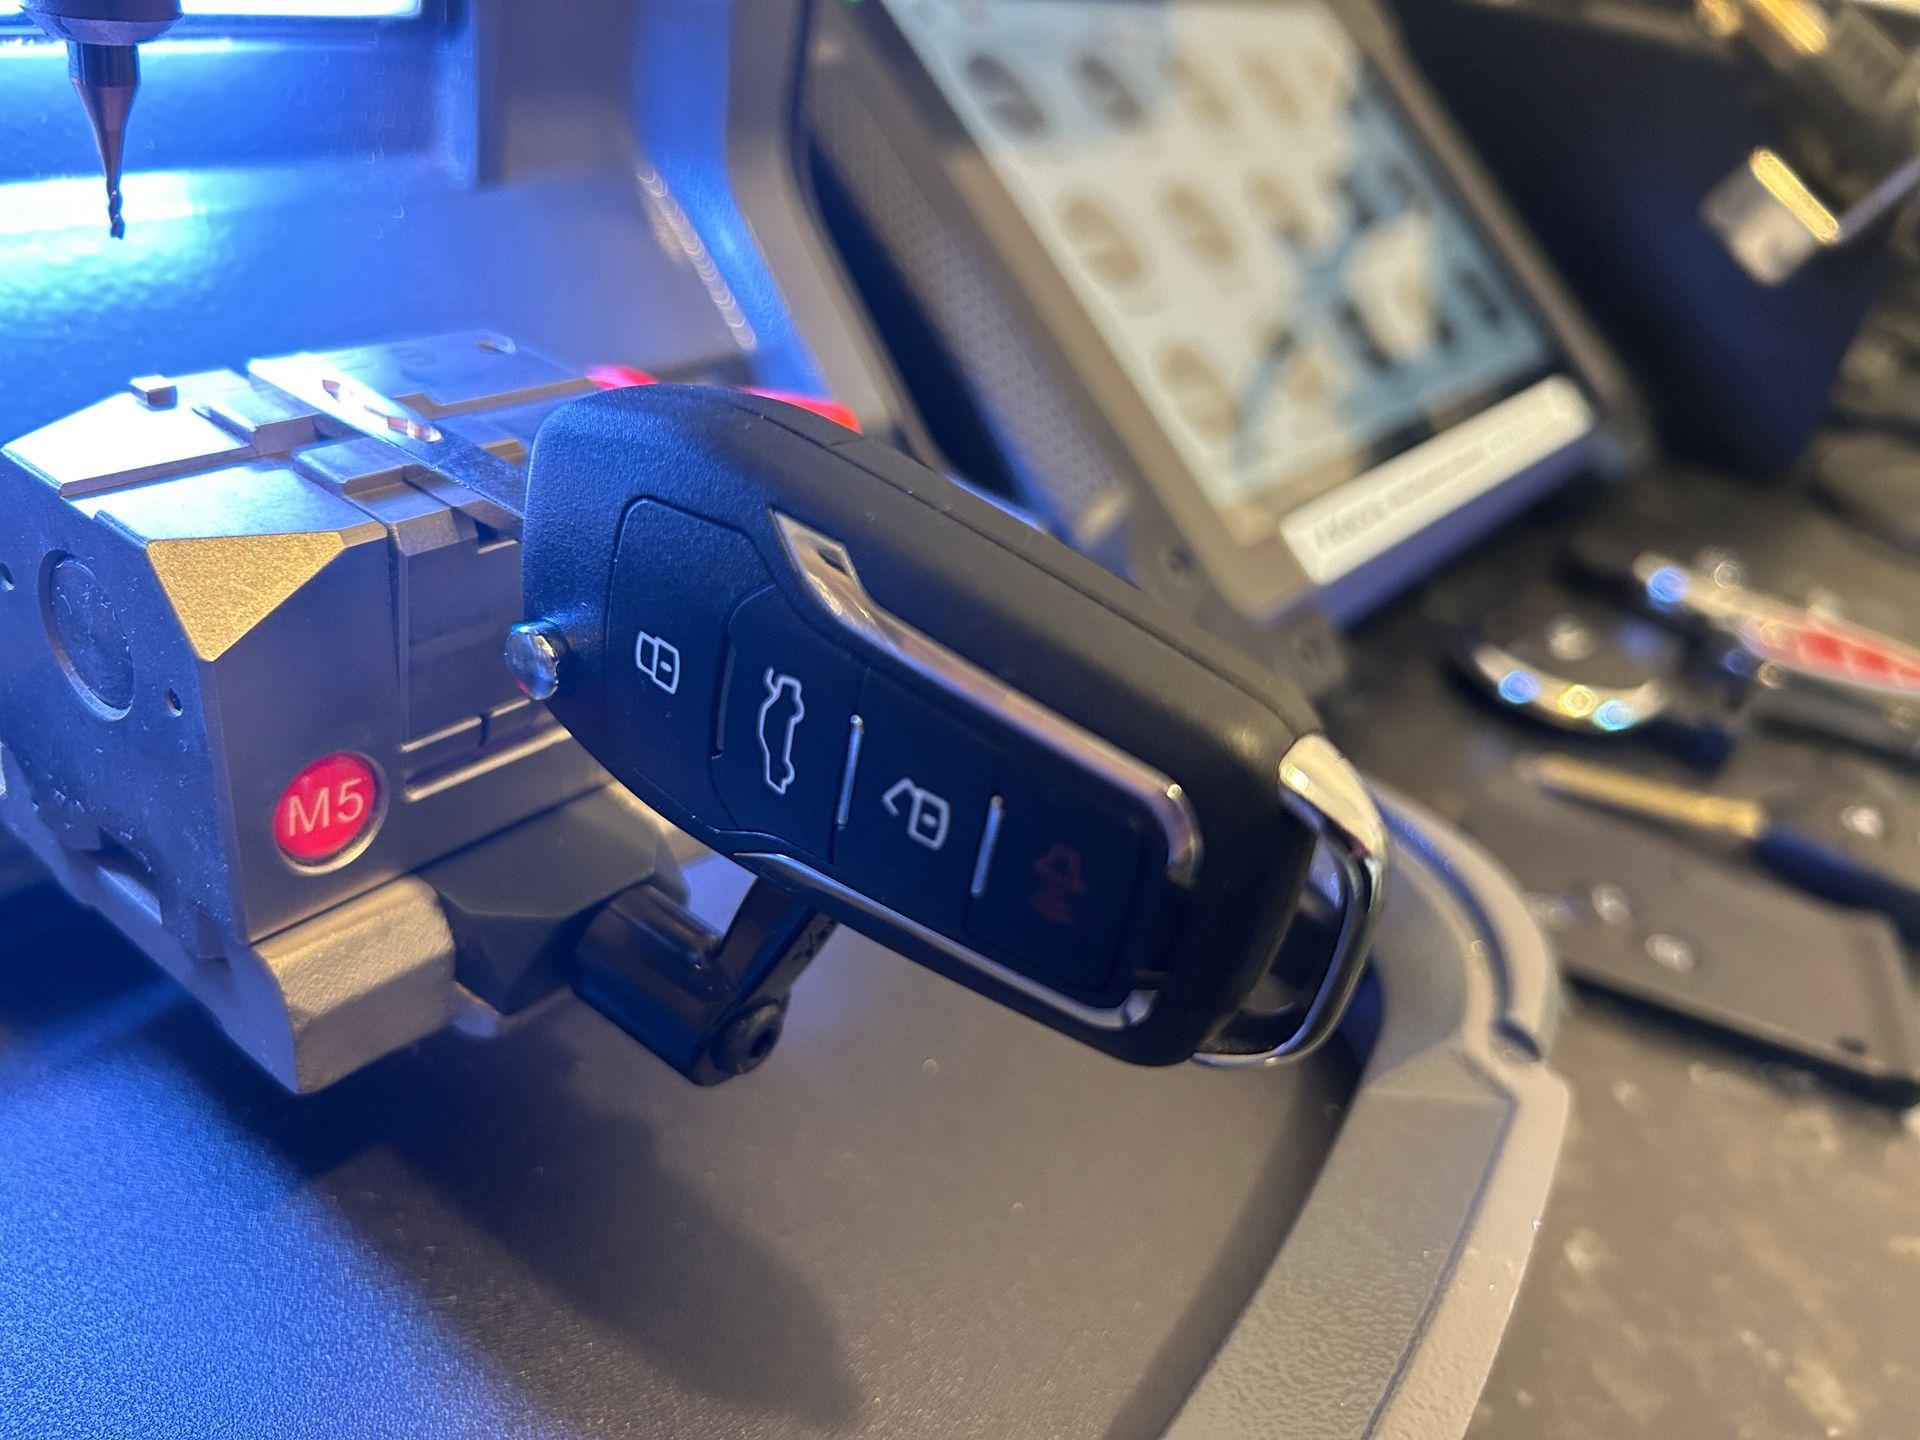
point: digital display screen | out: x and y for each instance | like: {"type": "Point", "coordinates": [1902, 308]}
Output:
{"type": "Point", "coordinates": [1237, 203]}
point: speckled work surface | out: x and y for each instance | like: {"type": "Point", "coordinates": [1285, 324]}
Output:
{"type": "Point", "coordinates": [1732, 1250]}
{"type": "Point", "coordinates": [441, 1248]}
{"type": "Point", "coordinates": [925, 1217]}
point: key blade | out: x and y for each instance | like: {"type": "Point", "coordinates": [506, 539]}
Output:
{"type": "Point", "coordinates": [454, 471]}
{"type": "Point", "coordinates": [1619, 791]}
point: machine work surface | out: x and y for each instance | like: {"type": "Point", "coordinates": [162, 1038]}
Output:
{"type": "Point", "coordinates": [1730, 1251]}
{"type": "Point", "coordinates": [925, 1216]}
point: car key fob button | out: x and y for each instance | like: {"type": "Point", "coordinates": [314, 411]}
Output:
{"type": "Point", "coordinates": [1059, 880]}
{"type": "Point", "coordinates": [786, 725]}
{"type": "Point", "coordinates": [676, 580]}
{"type": "Point", "coordinates": [917, 807]}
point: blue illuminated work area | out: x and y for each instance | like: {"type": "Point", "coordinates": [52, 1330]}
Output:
{"type": "Point", "coordinates": [296, 9]}
{"type": "Point", "coordinates": [317, 181]}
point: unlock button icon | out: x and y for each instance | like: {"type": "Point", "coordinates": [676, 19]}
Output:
{"type": "Point", "coordinates": [926, 814]}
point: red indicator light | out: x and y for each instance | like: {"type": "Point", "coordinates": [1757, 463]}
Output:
{"type": "Point", "coordinates": [327, 807]}
{"type": "Point", "coordinates": [624, 377]}
{"type": "Point", "coordinates": [823, 406]}
{"type": "Point", "coordinates": [619, 377]}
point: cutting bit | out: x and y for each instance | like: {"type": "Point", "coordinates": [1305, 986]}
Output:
{"type": "Point", "coordinates": [103, 62]}
{"type": "Point", "coordinates": [106, 77]}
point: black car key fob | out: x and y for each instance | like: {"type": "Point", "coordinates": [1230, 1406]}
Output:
{"type": "Point", "coordinates": [950, 732]}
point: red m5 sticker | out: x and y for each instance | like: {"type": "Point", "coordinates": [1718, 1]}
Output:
{"type": "Point", "coordinates": [327, 807]}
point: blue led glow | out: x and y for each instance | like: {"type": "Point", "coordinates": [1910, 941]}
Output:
{"type": "Point", "coordinates": [1614, 715]}
{"type": "Point", "coordinates": [55, 207]}
{"type": "Point", "coordinates": [298, 9]}
{"type": "Point", "coordinates": [1519, 687]}
{"type": "Point", "coordinates": [1667, 585]}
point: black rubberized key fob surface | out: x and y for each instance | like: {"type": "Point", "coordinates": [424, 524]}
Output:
{"type": "Point", "coordinates": [859, 679]}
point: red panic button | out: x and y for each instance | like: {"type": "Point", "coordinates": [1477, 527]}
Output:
{"type": "Point", "coordinates": [326, 808]}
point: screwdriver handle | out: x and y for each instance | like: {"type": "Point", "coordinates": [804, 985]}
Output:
{"type": "Point", "coordinates": [1618, 790]}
